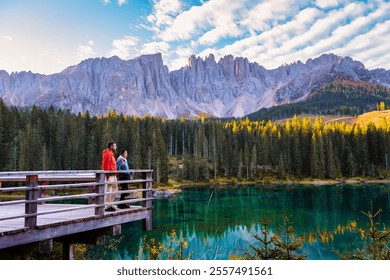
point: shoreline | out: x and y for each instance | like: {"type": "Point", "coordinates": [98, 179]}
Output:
{"type": "Point", "coordinates": [176, 186]}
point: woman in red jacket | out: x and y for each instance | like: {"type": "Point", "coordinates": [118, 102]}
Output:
{"type": "Point", "coordinates": [109, 163]}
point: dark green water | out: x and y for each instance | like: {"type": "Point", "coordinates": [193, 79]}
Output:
{"type": "Point", "coordinates": [218, 222]}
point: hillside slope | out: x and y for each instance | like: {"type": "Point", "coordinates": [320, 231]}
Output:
{"type": "Point", "coordinates": [339, 97]}
{"type": "Point", "coordinates": [375, 117]}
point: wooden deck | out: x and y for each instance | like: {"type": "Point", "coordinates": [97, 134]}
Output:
{"type": "Point", "coordinates": [35, 219]}
{"type": "Point", "coordinates": [60, 224]}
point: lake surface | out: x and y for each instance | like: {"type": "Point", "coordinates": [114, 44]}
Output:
{"type": "Point", "coordinates": [217, 223]}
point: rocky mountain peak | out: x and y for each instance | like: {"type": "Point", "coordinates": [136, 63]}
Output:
{"type": "Point", "coordinates": [233, 86]}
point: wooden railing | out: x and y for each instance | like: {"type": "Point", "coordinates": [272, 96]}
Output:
{"type": "Point", "coordinates": [92, 189]}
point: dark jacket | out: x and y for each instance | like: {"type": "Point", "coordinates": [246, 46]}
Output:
{"type": "Point", "coordinates": [121, 164]}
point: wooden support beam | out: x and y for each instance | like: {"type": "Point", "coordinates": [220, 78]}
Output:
{"type": "Point", "coordinates": [148, 185]}
{"type": "Point", "coordinates": [99, 189]}
{"type": "Point", "coordinates": [112, 231]}
{"type": "Point", "coordinates": [31, 206]}
{"type": "Point", "coordinates": [68, 251]}
{"type": "Point", "coordinates": [147, 222]}
{"type": "Point", "coordinates": [45, 246]}
{"type": "Point", "coordinates": [93, 237]}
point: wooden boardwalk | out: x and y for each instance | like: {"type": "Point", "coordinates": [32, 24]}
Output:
{"type": "Point", "coordinates": [37, 218]}
{"type": "Point", "coordinates": [68, 222]}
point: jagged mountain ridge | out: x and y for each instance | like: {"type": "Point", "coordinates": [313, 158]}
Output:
{"type": "Point", "coordinates": [231, 87]}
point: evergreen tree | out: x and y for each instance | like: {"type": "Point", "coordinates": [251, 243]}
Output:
{"type": "Point", "coordinates": [253, 162]}
{"type": "Point", "coordinates": [265, 248]}
{"type": "Point", "coordinates": [281, 168]}
{"type": "Point", "coordinates": [377, 241]}
{"type": "Point", "coordinates": [288, 244]}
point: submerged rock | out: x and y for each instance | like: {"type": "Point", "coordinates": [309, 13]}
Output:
{"type": "Point", "coordinates": [162, 194]}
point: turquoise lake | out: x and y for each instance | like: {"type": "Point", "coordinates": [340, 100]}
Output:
{"type": "Point", "coordinates": [217, 222]}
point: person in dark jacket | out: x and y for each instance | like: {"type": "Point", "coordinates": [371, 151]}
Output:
{"type": "Point", "coordinates": [121, 164]}
{"type": "Point", "coordinates": [109, 163]}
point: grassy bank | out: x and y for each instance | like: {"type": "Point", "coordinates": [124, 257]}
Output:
{"type": "Point", "coordinates": [175, 185]}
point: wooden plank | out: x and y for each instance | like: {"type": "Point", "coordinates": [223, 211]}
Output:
{"type": "Point", "coordinates": [56, 224]}
{"type": "Point", "coordinates": [13, 202]}
{"type": "Point", "coordinates": [63, 197]}
{"type": "Point", "coordinates": [11, 216]}
{"type": "Point", "coordinates": [68, 215]}
{"type": "Point", "coordinates": [11, 223]}
{"type": "Point", "coordinates": [43, 178]}
{"type": "Point", "coordinates": [8, 228]}
{"type": "Point", "coordinates": [55, 206]}
{"type": "Point", "coordinates": [11, 231]}
{"type": "Point", "coordinates": [14, 210]}
{"type": "Point", "coordinates": [41, 212]}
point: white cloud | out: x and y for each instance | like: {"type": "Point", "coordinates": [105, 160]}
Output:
{"type": "Point", "coordinates": [184, 52]}
{"type": "Point", "coordinates": [177, 63]}
{"type": "Point", "coordinates": [325, 4]}
{"type": "Point", "coordinates": [164, 12]}
{"type": "Point", "coordinates": [254, 45]}
{"type": "Point", "coordinates": [266, 14]}
{"type": "Point", "coordinates": [120, 2]}
{"type": "Point", "coordinates": [8, 38]}
{"type": "Point", "coordinates": [343, 35]}
{"type": "Point", "coordinates": [217, 54]}
{"type": "Point", "coordinates": [362, 48]}
{"type": "Point", "coordinates": [122, 47]}
{"type": "Point", "coordinates": [354, 39]}
{"type": "Point", "coordinates": [213, 14]}
{"type": "Point", "coordinates": [212, 36]}
{"type": "Point", "coordinates": [155, 47]}
{"type": "Point", "coordinates": [323, 28]}
{"type": "Point", "coordinates": [182, 55]}
{"type": "Point", "coordinates": [86, 51]}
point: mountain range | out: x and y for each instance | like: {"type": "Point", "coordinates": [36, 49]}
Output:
{"type": "Point", "coordinates": [229, 87]}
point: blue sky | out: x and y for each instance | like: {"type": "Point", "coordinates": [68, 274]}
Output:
{"type": "Point", "coordinates": [46, 36]}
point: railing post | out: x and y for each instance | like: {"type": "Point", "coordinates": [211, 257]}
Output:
{"type": "Point", "coordinates": [91, 189]}
{"type": "Point", "coordinates": [31, 206]}
{"type": "Point", "coordinates": [147, 223]}
{"type": "Point", "coordinates": [100, 189]}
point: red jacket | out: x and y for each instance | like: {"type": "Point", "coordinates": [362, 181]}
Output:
{"type": "Point", "coordinates": [108, 161]}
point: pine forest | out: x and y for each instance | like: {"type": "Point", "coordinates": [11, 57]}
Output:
{"type": "Point", "coordinates": [195, 150]}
